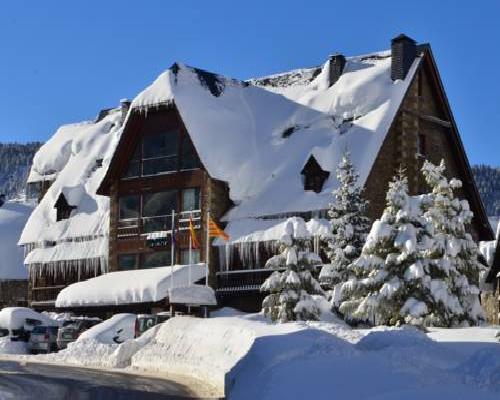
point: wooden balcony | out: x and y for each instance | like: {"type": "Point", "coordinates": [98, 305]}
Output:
{"type": "Point", "coordinates": [45, 295]}
{"type": "Point", "coordinates": [138, 228]}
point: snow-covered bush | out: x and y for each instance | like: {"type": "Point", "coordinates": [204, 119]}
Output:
{"type": "Point", "coordinates": [391, 275]}
{"type": "Point", "coordinates": [291, 290]}
{"type": "Point", "coordinates": [455, 267]}
{"type": "Point", "coordinates": [349, 229]}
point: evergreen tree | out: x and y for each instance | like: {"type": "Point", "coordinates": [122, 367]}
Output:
{"type": "Point", "coordinates": [389, 286]}
{"type": "Point", "coordinates": [290, 291]}
{"type": "Point", "coordinates": [455, 254]}
{"type": "Point", "coordinates": [349, 229]}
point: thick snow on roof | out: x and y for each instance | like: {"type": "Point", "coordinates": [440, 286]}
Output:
{"type": "Point", "coordinates": [125, 287]}
{"type": "Point", "coordinates": [196, 295]}
{"type": "Point", "coordinates": [240, 130]}
{"type": "Point", "coordinates": [13, 217]}
{"type": "Point", "coordinates": [72, 152]}
{"type": "Point", "coordinates": [95, 248]}
{"type": "Point", "coordinates": [263, 230]}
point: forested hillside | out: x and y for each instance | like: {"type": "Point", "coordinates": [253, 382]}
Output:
{"type": "Point", "coordinates": [15, 163]}
{"type": "Point", "coordinates": [488, 183]}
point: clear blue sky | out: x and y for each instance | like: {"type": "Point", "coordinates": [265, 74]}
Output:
{"type": "Point", "coordinates": [61, 62]}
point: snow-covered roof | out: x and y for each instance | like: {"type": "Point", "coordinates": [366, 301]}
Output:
{"type": "Point", "coordinates": [263, 230]}
{"type": "Point", "coordinates": [195, 295]}
{"type": "Point", "coordinates": [13, 217]}
{"type": "Point", "coordinates": [95, 248]}
{"type": "Point", "coordinates": [238, 128]}
{"type": "Point", "coordinates": [125, 287]}
{"type": "Point", "coordinates": [70, 156]}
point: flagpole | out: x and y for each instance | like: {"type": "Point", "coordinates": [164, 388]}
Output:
{"type": "Point", "coordinates": [207, 252]}
{"type": "Point", "coordinates": [172, 251]}
{"type": "Point", "coordinates": [190, 248]}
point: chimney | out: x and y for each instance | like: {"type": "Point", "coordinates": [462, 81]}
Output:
{"type": "Point", "coordinates": [124, 106]}
{"type": "Point", "coordinates": [337, 64]}
{"type": "Point", "coordinates": [403, 53]}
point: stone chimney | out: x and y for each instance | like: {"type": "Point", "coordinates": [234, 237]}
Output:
{"type": "Point", "coordinates": [403, 53]}
{"type": "Point", "coordinates": [124, 106]}
{"type": "Point", "coordinates": [337, 64]}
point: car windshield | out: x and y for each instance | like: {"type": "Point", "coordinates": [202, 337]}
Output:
{"type": "Point", "coordinates": [4, 332]}
{"type": "Point", "coordinates": [39, 329]}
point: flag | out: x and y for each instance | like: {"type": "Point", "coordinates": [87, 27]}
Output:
{"type": "Point", "coordinates": [194, 240]}
{"type": "Point", "coordinates": [215, 231]}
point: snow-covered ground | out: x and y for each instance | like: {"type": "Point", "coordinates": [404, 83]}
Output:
{"type": "Point", "coordinates": [234, 351]}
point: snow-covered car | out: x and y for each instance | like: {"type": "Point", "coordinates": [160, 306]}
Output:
{"type": "Point", "coordinates": [146, 321]}
{"type": "Point", "coordinates": [115, 330]}
{"type": "Point", "coordinates": [73, 328]}
{"type": "Point", "coordinates": [43, 339]}
{"type": "Point", "coordinates": [18, 322]}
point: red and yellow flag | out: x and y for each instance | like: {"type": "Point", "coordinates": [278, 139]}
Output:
{"type": "Point", "coordinates": [215, 231]}
{"type": "Point", "coordinates": [195, 244]}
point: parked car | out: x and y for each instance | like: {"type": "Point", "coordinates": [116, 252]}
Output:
{"type": "Point", "coordinates": [18, 322]}
{"type": "Point", "coordinates": [146, 321]}
{"type": "Point", "coordinates": [43, 339]}
{"type": "Point", "coordinates": [73, 328]}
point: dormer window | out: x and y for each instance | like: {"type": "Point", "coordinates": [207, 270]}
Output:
{"type": "Point", "coordinates": [314, 175]}
{"type": "Point", "coordinates": [63, 209]}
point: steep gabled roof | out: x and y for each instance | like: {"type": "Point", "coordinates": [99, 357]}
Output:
{"type": "Point", "coordinates": [257, 135]}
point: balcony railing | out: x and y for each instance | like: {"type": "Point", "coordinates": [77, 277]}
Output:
{"type": "Point", "coordinates": [45, 294]}
{"type": "Point", "coordinates": [135, 228]}
{"type": "Point", "coordinates": [242, 280]}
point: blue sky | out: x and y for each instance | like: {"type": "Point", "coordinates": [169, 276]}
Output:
{"type": "Point", "coordinates": [61, 62]}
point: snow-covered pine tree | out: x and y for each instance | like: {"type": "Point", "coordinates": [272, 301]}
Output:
{"type": "Point", "coordinates": [290, 290]}
{"type": "Point", "coordinates": [350, 227]}
{"type": "Point", "coordinates": [390, 275]}
{"type": "Point", "coordinates": [454, 260]}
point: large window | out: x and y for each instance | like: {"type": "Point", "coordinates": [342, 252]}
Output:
{"type": "Point", "coordinates": [155, 209]}
{"type": "Point", "coordinates": [127, 262]}
{"type": "Point", "coordinates": [156, 259]}
{"type": "Point", "coordinates": [158, 153]}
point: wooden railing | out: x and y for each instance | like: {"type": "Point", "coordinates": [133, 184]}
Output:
{"type": "Point", "coordinates": [242, 280]}
{"type": "Point", "coordinates": [45, 294]}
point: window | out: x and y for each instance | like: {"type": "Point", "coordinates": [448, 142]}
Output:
{"type": "Point", "coordinates": [156, 259]}
{"type": "Point", "coordinates": [127, 262]}
{"type": "Point", "coordinates": [190, 199]}
{"type": "Point", "coordinates": [157, 210]}
{"type": "Point", "coordinates": [63, 209]}
{"type": "Point", "coordinates": [314, 175]}
{"type": "Point", "coordinates": [195, 256]}
{"type": "Point", "coordinates": [130, 206]}
{"type": "Point", "coordinates": [158, 153]}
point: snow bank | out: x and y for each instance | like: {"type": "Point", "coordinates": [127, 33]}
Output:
{"type": "Point", "coordinates": [125, 287]}
{"type": "Point", "coordinates": [7, 346]}
{"type": "Point", "coordinates": [13, 217]}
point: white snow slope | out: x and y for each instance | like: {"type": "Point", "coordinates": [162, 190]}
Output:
{"type": "Point", "coordinates": [246, 357]}
{"type": "Point", "coordinates": [13, 217]}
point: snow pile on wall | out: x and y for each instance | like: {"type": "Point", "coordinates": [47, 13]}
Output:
{"type": "Point", "coordinates": [13, 217]}
{"type": "Point", "coordinates": [71, 155]}
{"type": "Point", "coordinates": [239, 128]}
{"type": "Point", "coordinates": [124, 287]}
